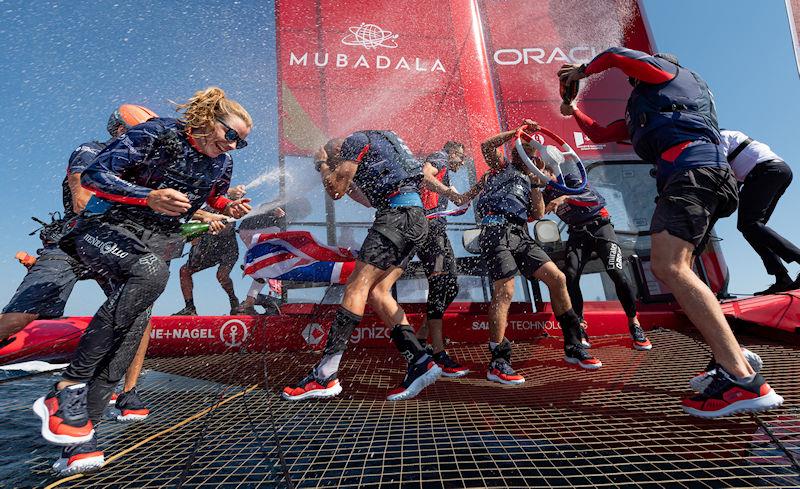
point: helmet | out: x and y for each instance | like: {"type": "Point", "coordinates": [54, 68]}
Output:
{"type": "Point", "coordinates": [127, 116]}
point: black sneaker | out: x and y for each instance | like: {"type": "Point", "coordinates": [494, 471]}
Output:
{"type": "Point", "coordinates": [187, 311]}
{"type": "Point", "coordinates": [77, 459]}
{"type": "Point", "coordinates": [778, 286]}
{"type": "Point", "coordinates": [575, 354]}
{"type": "Point", "coordinates": [244, 310]}
{"type": "Point", "coordinates": [131, 407]}
{"type": "Point", "coordinates": [640, 341]}
{"type": "Point", "coordinates": [419, 376]}
{"type": "Point", "coordinates": [500, 371]}
{"type": "Point", "coordinates": [726, 395]}
{"type": "Point", "coordinates": [449, 367]}
{"type": "Point", "coordinates": [65, 420]}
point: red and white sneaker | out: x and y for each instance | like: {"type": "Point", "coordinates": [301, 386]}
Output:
{"type": "Point", "coordinates": [65, 420]}
{"type": "Point", "coordinates": [640, 341]}
{"type": "Point", "coordinates": [699, 382]}
{"type": "Point", "coordinates": [310, 387]}
{"type": "Point", "coordinates": [450, 368]}
{"type": "Point", "coordinates": [500, 371]}
{"type": "Point", "coordinates": [577, 355]}
{"type": "Point", "coordinates": [113, 400]}
{"type": "Point", "coordinates": [78, 459]}
{"type": "Point", "coordinates": [727, 395]}
{"type": "Point", "coordinates": [418, 377]}
{"type": "Point", "coordinates": [131, 407]}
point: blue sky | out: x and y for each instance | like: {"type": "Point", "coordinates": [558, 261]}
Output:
{"type": "Point", "coordinates": [66, 65]}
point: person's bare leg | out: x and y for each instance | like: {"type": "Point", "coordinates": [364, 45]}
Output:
{"type": "Point", "coordinates": [358, 286]}
{"type": "Point", "coordinates": [135, 369]}
{"type": "Point", "coordinates": [186, 283]}
{"type": "Point", "coordinates": [224, 279]}
{"type": "Point", "coordinates": [437, 338]}
{"type": "Point", "coordinates": [14, 322]}
{"type": "Point", "coordinates": [424, 331]}
{"type": "Point", "coordinates": [503, 292]}
{"type": "Point", "coordinates": [381, 300]}
{"type": "Point", "coordinates": [556, 283]}
{"type": "Point", "coordinates": [671, 261]}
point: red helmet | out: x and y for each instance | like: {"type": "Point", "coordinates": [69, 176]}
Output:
{"type": "Point", "coordinates": [127, 116]}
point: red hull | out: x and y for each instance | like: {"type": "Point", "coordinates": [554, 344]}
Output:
{"type": "Point", "coordinates": [305, 327]}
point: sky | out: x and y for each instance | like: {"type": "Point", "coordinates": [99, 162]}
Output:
{"type": "Point", "coordinates": [67, 65]}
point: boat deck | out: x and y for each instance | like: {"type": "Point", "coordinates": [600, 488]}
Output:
{"type": "Point", "coordinates": [620, 426]}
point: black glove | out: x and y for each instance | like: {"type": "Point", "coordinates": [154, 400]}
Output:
{"type": "Point", "coordinates": [568, 91]}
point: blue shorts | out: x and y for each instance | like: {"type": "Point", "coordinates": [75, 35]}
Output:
{"type": "Point", "coordinates": [48, 284]}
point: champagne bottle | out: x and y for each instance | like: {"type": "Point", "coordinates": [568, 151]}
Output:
{"type": "Point", "coordinates": [193, 229]}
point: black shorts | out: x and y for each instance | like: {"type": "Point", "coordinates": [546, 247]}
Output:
{"type": "Point", "coordinates": [212, 250]}
{"type": "Point", "coordinates": [394, 237]}
{"type": "Point", "coordinates": [436, 252]}
{"type": "Point", "coordinates": [691, 202]}
{"type": "Point", "coordinates": [48, 284]}
{"type": "Point", "coordinates": [508, 248]}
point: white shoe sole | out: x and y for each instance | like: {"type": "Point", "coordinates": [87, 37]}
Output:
{"type": "Point", "coordinates": [318, 393]}
{"type": "Point", "coordinates": [495, 378]}
{"type": "Point", "coordinates": [416, 387]}
{"type": "Point", "coordinates": [698, 383]}
{"type": "Point", "coordinates": [587, 366]}
{"type": "Point", "coordinates": [763, 403]}
{"type": "Point", "coordinates": [131, 417]}
{"type": "Point", "coordinates": [642, 348]}
{"type": "Point", "coordinates": [79, 466]}
{"type": "Point", "coordinates": [455, 375]}
{"type": "Point", "coordinates": [62, 440]}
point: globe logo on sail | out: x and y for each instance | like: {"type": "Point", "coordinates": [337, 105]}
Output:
{"type": "Point", "coordinates": [370, 36]}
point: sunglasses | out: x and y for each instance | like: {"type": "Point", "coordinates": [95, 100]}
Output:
{"type": "Point", "coordinates": [232, 135]}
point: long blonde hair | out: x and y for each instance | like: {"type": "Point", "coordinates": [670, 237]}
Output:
{"type": "Point", "coordinates": [206, 106]}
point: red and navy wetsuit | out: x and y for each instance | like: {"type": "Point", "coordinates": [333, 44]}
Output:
{"type": "Point", "coordinates": [670, 116]}
{"type": "Point", "coordinates": [130, 244]}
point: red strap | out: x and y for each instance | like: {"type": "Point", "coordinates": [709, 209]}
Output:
{"type": "Point", "coordinates": [218, 202]}
{"type": "Point", "coordinates": [672, 153]}
{"type": "Point", "coordinates": [362, 153]}
{"type": "Point", "coordinates": [118, 198]}
{"type": "Point", "coordinates": [192, 140]}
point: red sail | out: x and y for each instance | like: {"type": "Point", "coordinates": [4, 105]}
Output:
{"type": "Point", "coordinates": [417, 68]}
{"type": "Point", "coordinates": [437, 70]}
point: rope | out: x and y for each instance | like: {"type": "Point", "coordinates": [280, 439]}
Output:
{"type": "Point", "coordinates": [150, 438]}
{"type": "Point", "coordinates": [789, 456]}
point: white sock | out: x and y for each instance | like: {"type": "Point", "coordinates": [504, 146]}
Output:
{"type": "Point", "coordinates": [328, 366]}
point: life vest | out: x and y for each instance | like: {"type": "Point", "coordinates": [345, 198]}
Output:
{"type": "Point", "coordinates": [386, 168]}
{"type": "Point", "coordinates": [507, 193]}
{"type": "Point", "coordinates": [660, 116]}
{"type": "Point", "coordinates": [432, 201]}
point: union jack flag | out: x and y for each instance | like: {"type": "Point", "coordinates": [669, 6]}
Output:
{"type": "Point", "coordinates": [297, 256]}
